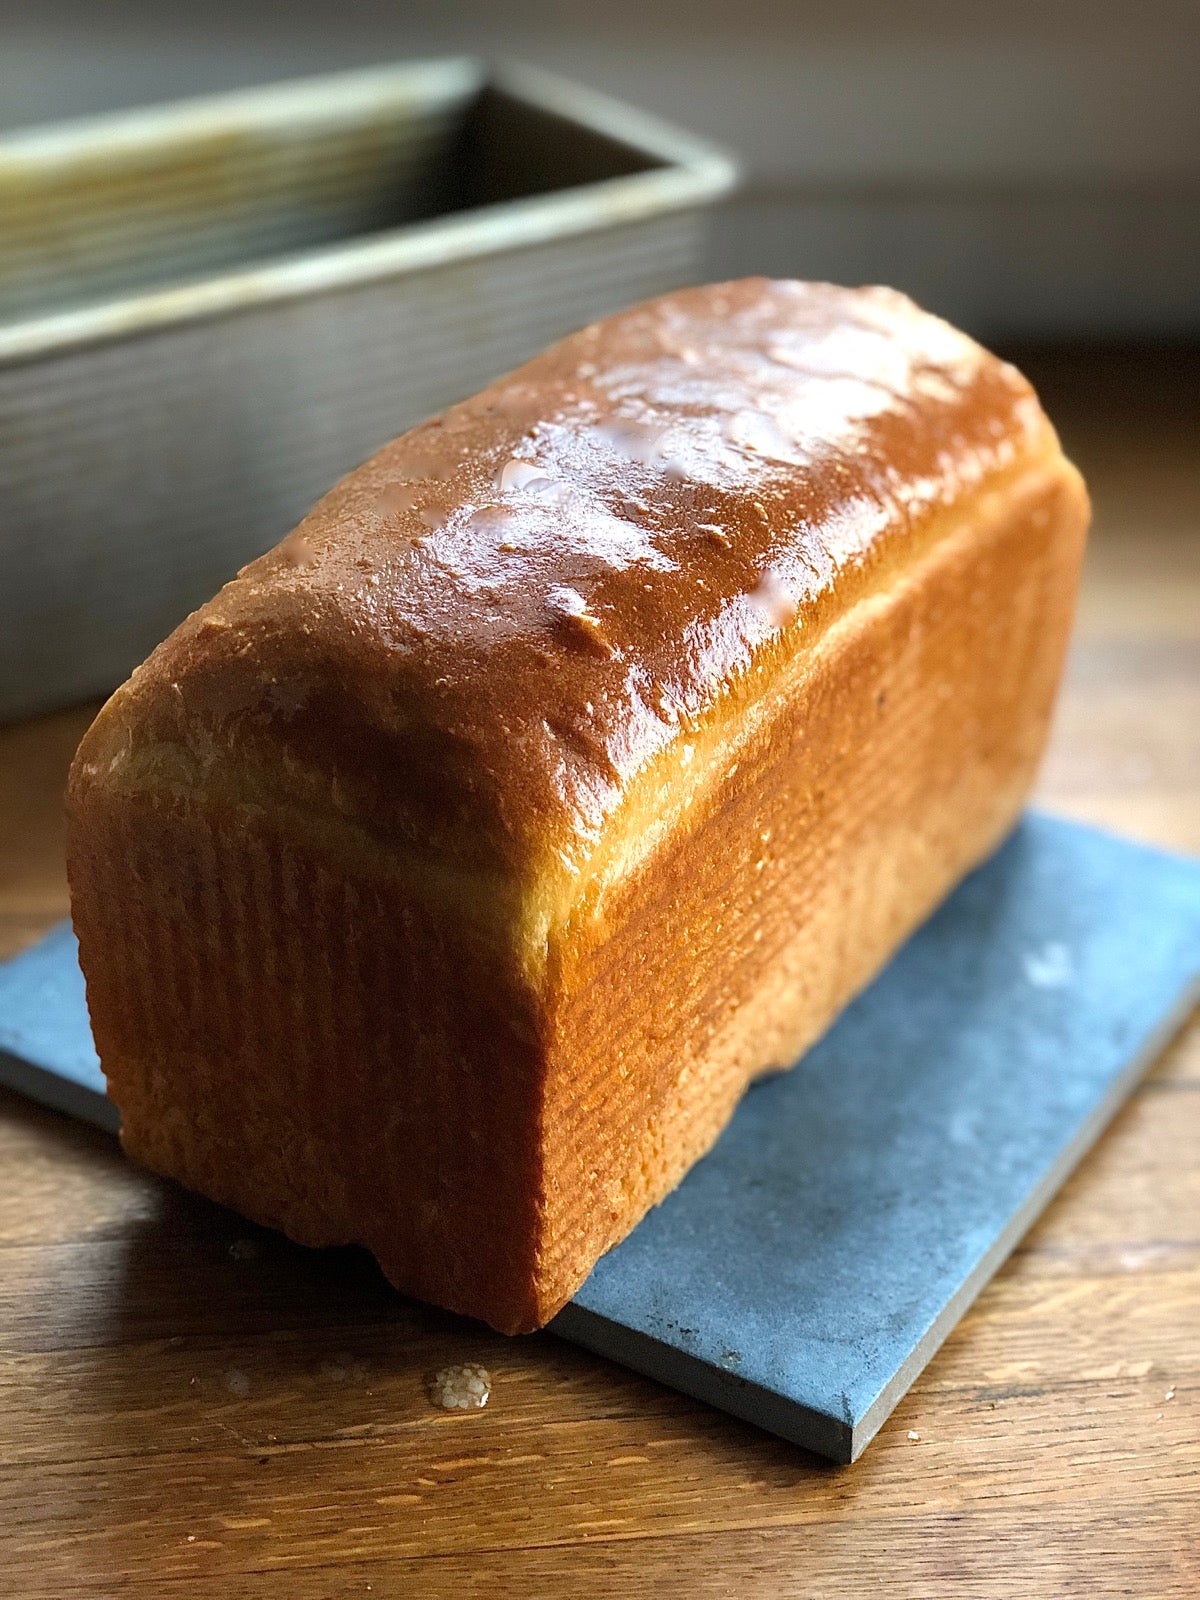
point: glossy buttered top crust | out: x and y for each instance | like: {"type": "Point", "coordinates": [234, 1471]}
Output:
{"type": "Point", "coordinates": [483, 640]}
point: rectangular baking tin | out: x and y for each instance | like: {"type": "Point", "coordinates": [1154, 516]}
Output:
{"type": "Point", "coordinates": [210, 311]}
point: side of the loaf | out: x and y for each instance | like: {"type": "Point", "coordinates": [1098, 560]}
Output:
{"type": "Point", "coordinates": [892, 760]}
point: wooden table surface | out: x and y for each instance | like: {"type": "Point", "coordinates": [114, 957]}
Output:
{"type": "Point", "coordinates": [193, 1407]}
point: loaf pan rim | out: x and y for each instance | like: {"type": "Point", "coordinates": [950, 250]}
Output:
{"type": "Point", "coordinates": [691, 172]}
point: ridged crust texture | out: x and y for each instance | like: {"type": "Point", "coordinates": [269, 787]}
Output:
{"type": "Point", "coordinates": [443, 882]}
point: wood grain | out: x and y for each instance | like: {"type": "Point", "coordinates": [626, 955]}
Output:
{"type": "Point", "coordinates": [177, 1419]}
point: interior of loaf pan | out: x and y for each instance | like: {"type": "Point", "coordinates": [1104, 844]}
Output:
{"type": "Point", "coordinates": [121, 205]}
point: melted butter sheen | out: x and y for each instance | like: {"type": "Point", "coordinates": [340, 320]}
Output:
{"type": "Point", "coordinates": [626, 522]}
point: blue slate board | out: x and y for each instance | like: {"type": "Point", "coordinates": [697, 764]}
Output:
{"type": "Point", "coordinates": [806, 1270]}
{"type": "Point", "coordinates": [46, 1049]}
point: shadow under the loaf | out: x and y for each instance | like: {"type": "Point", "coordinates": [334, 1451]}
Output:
{"type": "Point", "coordinates": [221, 1395]}
{"type": "Point", "coordinates": [197, 1269]}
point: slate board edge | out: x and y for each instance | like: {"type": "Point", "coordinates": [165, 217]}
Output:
{"type": "Point", "coordinates": [841, 1438]}
{"type": "Point", "coordinates": [52, 1089]}
{"type": "Point", "coordinates": [819, 1431]}
{"type": "Point", "coordinates": [1023, 1218]}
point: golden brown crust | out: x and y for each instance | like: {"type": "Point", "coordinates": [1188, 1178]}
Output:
{"type": "Point", "coordinates": [486, 632]}
{"type": "Point", "coordinates": [443, 882]}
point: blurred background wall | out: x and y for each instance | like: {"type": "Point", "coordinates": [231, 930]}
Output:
{"type": "Point", "coordinates": [1030, 168]}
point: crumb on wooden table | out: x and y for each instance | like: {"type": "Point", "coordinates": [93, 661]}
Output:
{"type": "Point", "coordinates": [463, 1388]}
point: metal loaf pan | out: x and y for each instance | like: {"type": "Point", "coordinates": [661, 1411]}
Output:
{"type": "Point", "coordinates": [210, 311]}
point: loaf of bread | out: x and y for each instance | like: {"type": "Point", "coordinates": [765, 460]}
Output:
{"type": "Point", "coordinates": [443, 883]}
